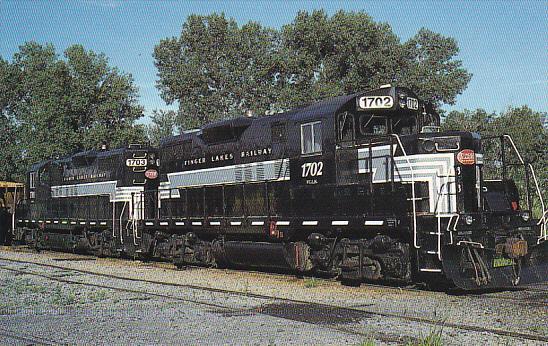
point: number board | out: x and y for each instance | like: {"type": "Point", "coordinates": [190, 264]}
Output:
{"type": "Point", "coordinates": [375, 102]}
{"type": "Point", "coordinates": [136, 162]}
{"type": "Point", "coordinates": [412, 103]}
{"type": "Point", "coordinates": [311, 170]}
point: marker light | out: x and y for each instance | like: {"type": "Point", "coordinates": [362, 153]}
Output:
{"type": "Point", "coordinates": [151, 173]}
{"type": "Point", "coordinates": [469, 219]}
{"type": "Point", "coordinates": [466, 157]}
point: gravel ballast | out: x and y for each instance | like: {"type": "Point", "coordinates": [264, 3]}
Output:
{"type": "Point", "coordinates": [89, 313]}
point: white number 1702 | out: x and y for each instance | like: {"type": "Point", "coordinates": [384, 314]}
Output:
{"type": "Point", "coordinates": [312, 169]}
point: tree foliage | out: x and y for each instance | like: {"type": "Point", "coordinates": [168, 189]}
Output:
{"type": "Point", "coordinates": [216, 69]}
{"type": "Point", "coordinates": [55, 106]}
{"type": "Point", "coordinates": [522, 124]}
{"type": "Point", "coordinates": [163, 124]}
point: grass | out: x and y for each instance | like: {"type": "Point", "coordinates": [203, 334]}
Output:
{"type": "Point", "coordinates": [23, 286]}
{"type": "Point", "coordinates": [368, 342]}
{"type": "Point", "coordinates": [432, 339]}
{"type": "Point", "coordinates": [311, 282]}
{"type": "Point", "coordinates": [60, 298]}
{"type": "Point", "coordinates": [97, 296]}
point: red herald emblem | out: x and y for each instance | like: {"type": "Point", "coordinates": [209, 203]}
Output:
{"type": "Point", "coordinates": [466, 157]}
{"type": "Point", "coordinates": [151, 173]}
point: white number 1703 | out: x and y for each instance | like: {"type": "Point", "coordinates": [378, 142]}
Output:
{"type": "Point", "coordinates": [312, 169]}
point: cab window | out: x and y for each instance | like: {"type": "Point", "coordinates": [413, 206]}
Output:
{"type": "Point", "coordinates": [311, 138]}
{"type": "Point", "coordinates": [373, 125]}
{"type": "Point", "coordinates": [404, 126]}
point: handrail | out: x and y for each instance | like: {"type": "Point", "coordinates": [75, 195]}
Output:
{"type": "Point", "coordinates": [438, 214]}
{"type": "Point", "coordinates": [539, 193]}
{"type": "Point", "coordinates": [121, 216]}
{"type": "Point", "coordinates": [415, 244]}
{"type": "Point", "coordinates": [515, 149]}
{"type": "Point", "coordinates": [542, 221]}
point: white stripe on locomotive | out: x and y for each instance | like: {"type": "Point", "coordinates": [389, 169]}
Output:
{"type": "Point", "coordinates": [435, 169]}
{"type": "Point", "coordinates": [133, 195]}
{"type": "Point", "coordinates": [273, 170]}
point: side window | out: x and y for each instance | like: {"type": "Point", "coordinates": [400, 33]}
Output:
{"type": "Point", "coordinates": [278, 132]}
{"type": "Point", "coordinates": [32, 180]}
{"type": "Point", "coordinates": [311, 138]}
{"type": "Point", "coordinates": [346, 126]}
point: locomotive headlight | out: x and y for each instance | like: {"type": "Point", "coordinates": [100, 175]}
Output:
{"type": "Point", "coordinates": [525, 216]}
{"type": "Point", "coordinates": [468, 219]}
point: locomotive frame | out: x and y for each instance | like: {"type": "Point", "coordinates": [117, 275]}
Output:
{"type": "Point", "coordinates": [360, 186]}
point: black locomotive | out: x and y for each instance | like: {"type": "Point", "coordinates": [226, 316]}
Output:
{"type": "Point", "coordinates": [362, 186]}
{"type": "Point", "coordinates": [71, 202]}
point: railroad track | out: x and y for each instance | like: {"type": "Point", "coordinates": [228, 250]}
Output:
{"type": "Point", "coordinates": [223, 308]}
{"type": "Point", "coordinates": [525, 300]}
{"type": "Point", "coordinates": [27, 339]}
{"type": "Point", "coordinates": [169, 266]}
{"type": "Point", "coordinates": [343, 309]}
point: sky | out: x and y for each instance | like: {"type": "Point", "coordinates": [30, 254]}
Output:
{"type": "Point", "coordinates": [504, 44]}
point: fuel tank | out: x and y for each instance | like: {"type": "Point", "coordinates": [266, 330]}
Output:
{"type": "Point", "coordinates": [284, 256]}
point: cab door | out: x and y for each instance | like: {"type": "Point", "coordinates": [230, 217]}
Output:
{"type": "Point", "coordinates": [312, 172]}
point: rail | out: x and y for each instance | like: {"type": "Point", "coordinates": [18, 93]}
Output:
{"type": "Point", "coordinates": [447, 186]}
{"type": "Point", "coordinates": [543, 221]}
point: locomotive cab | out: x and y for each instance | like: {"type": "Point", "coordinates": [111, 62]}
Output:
{"type": "Point", "coordinates": [384, 112]}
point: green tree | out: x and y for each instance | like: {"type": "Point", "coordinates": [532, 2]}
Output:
{"type": "Point", "coordinates": [474, 121]}
{"type": "Point", "coordinates": [9, 92]}
{"type": "Point", "coordinates": [163, 124]}
{"type": "Point", "coordinates": [524, 126]}
{"type": "Point", "coordinates": [216, 69]}
{"type": "Point", "coordinates": [345, 53]}
{"type": "Point", "coordinates": [431, 68]}
{"type": "Point", "coordinates": [57, 106]}
{"type": "Point", "coordinates": [8, 153]}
